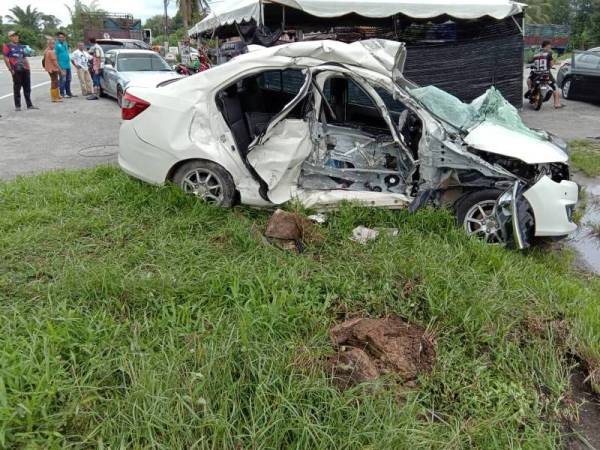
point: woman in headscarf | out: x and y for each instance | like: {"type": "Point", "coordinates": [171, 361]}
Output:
{"type": "Point", "coordinates": [53, 69]}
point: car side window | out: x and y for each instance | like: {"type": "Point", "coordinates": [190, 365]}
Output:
{"type": "Point", "coordinates": [393, 105]}
{"type": "Point", "coordinates": [351, 105]}
{"type": "Point", "coordinates": [587, 61]}
{"type": "Point", "coordinates": [288, 81]}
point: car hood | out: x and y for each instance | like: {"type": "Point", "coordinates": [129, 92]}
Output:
{"type": "Point", "coordinates": [495, 138]}
{"type": "Point", "coordinates": [146, 79]}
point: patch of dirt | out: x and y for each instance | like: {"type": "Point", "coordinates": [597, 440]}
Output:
{"type": "Point", "coordinates": [369, 348]}
{"type": "Point", "coordinates": [291, 231]}
{"type": "Point", "coordinates": [586, 431]}
{"type": "Point", "coordinates": [556, 329]}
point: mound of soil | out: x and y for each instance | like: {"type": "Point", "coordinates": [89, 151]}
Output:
{"type": "Point", "coordinates": [368, 348]}
{"type": "Point", "coordinates": [291, 230]}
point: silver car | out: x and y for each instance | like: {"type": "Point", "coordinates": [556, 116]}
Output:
{"type": "Point", "coordinates": [124, 68]}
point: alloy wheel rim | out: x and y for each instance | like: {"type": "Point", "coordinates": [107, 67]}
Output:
{"type": "Point", "coordinates": [566, 88]}
{"type": "Point", "coordinates": [480, 221]}
{"type": "Point", "coordinates": [203, 183]}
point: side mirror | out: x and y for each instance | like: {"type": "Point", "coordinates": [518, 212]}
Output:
{"type": "Point", "coordinates": [108, 65]}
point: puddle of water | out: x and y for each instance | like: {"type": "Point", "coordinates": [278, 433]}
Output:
{"type": "Point", "coordinates": [585, 241]}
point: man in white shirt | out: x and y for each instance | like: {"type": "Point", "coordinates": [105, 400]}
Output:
{"type": "Point", "coordinates": [97, 55]}
{"type": "Point", "coordinates": [80, 59]}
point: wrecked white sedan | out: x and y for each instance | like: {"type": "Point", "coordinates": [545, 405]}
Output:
{"type": "Point", "coordinates": [325, 121]}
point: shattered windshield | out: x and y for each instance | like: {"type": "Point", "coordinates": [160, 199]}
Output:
{"type": "Point", "coordinates": [491, 107]}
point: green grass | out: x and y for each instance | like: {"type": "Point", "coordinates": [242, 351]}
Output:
{"type": "Point", "coordinates": [134, 317]}
{"type": "Point", "coordinates": [585, 156]}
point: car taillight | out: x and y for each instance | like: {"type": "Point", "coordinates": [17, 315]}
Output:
{"type": "Point", "coordinates": [132, 106]}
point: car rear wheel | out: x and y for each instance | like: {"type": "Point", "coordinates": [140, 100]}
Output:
{"type": "Point", "coordinates": [119, 96]}
{"type": "Point", "coordinates": [475, 213]}
{"type": "Point", "coordinates": [566, 88]}
{"type": "Point", "coordinates": [206, 180]}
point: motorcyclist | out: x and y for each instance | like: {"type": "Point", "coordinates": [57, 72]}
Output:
{"type": "Point", "coordinates": [194, 63]}
{"type": "Point", "coordinates": [542, 63]}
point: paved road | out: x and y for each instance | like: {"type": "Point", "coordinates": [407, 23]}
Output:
{"type": "Point", "coordinates": [578, 120]}
{"type": "Point", "coordinates": [77, 133]}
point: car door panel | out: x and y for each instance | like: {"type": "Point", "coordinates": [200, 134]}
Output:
{"type": "Point", "coordinates": [586, 75]}
{"type": "Point", "coordinates": [279, 159]}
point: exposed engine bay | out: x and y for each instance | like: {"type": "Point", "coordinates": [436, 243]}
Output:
{"type": "Point", "coordinates": [528, 173]}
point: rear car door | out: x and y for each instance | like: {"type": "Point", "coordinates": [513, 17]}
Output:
{"type": "Point", "coordinates": [277, 153]}
{"type": "Point", "coordinates": [585, 71]}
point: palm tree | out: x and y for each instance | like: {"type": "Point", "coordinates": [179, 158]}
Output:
{"type": "Point", "coordinates": [26, 18]}
{"type": "Point", "coordinates": [185, 8]}
{"type": "Point", "coordinates": [538, 11]}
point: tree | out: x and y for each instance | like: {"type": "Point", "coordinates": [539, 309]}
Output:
{"type": "Point", "coordinates": [80, 12]}
{"type": "Point", "coordinates": [50, 23]}
{"type": "Point", "coordinates": [28, 18]}
{"type": "Point", "coordinates": [157, 24]}
{"type": "Point", "coordinates": [188, 9]}
{"type": "Point", "coordinates": [185, 8]}
{"type": "Point", "coordinates": [560, 12]}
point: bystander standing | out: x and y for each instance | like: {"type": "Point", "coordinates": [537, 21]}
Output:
{"type": "Point", "coordinates": [80, 59]}
{"type": "Point", "coordinates": [53, 69]}
{"type": "Point", "coordinates": [15, 58]}
{"type": "Point", "coordinates": [97, 65]}
{"type": "Point", "coordinates": [61, 47]}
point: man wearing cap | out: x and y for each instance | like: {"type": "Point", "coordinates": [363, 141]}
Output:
{"type": "Point", "coordinates": [15, 58]}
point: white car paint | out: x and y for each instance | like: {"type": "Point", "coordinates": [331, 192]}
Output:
{"type": "Point", "coordinates": [184, 123]}
{"type": "Point", "coordinates": [113, 79]}
{"type": "Point", "coordinates": [494, 138]}
{"type": "Point", "coordinates": [549, 201]}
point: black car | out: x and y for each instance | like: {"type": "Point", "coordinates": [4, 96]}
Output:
{"type": "Point", "coordinates": [579, 79]}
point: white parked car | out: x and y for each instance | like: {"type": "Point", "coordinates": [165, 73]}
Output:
{"type": "Point", "coordinates": [324, 121]}
{"type": "Point", "coordinates": [126, 67]}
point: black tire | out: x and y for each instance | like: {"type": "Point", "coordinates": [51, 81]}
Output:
{"type": "Point", "coordinates": [464, 205]}
{"type": "Point", "coordinates": [539, 102]}
{"type": "Point", "coordinates": [190, 179]}
{"type": "Point", "coordinates": [566, 88]}
{"type": "Point", "coordinates": [119, 96]}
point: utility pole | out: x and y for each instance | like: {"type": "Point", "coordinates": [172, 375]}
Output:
{"type": "Point", "coordinates": [166, 43]}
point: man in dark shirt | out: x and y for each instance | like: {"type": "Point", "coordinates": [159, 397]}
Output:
{"type": "Point", "coordinates": [15, 58]}
{"type": "Point", "coordinates": [542, 63]}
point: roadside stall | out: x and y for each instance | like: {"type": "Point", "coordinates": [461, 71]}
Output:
{"type": "Point", "coordinates": [463, 47]}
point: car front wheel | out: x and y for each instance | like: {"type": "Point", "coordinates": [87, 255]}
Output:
{"type": "Point", "coordinates": [566, 88]}
{"type": "Point", "coordinates": [206, 180]}
{"type": "Point", "coordinates": [476, 214]}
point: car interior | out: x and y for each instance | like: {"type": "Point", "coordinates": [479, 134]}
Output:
{"type": "Point", "coordinates": [249, 104]}
{"type": "Point", "coordinates": [357, 150]}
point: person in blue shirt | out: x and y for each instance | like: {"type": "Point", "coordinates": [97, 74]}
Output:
{"type": "Point", "coordinates": [61, 48]}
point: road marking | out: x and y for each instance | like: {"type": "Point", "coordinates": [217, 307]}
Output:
{"type": "Point", "coordinates": [32, 87]}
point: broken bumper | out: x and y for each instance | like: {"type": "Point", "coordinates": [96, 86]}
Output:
{"type": "Point", "coordinates": [545, 209]}
{"type": "Point", "coordinates": [553, 204]}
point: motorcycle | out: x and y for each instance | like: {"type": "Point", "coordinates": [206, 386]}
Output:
{"type": "Point", "coordinates": [185, 70]}
{"type": "Point", "coordinates": [541, 91]}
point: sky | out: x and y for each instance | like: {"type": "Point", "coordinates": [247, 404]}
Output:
{"type": "Point", "coordinates": [141, 9]}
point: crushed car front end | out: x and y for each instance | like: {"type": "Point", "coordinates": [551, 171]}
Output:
{"type": "Point", "coordinates": [486, 147]}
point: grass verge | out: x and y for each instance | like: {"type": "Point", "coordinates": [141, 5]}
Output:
{"type": "Point", "coordinates": [133, 316]}
{"type": "Point", "coordinates": [585, 156]}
